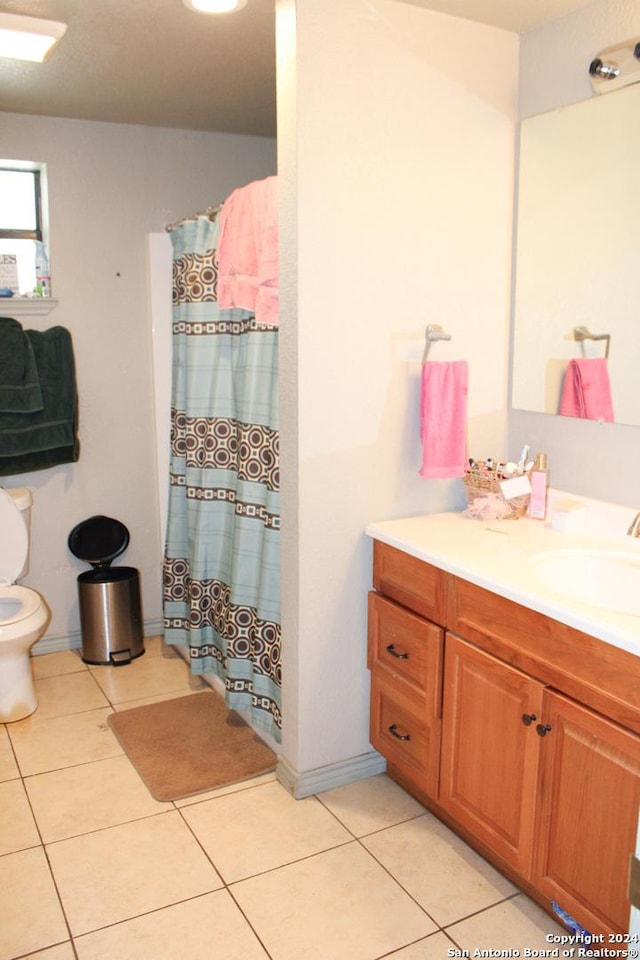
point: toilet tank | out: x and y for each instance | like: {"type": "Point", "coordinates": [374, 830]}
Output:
{"type": "Point", "coordinates": [23, 499]}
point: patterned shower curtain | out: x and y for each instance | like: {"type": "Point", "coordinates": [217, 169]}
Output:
{"type": "Point", "coordinates": [221, 583]}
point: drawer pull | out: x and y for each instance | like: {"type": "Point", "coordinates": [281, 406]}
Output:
{"type": "Point", "coordinates": [543, 729]}
{"type": "Point", "coordinates": [391, 649]}
{"type": "Point", "coordinates": [528, 719]}
{"type": "Point", "coordinates": [393, 730]}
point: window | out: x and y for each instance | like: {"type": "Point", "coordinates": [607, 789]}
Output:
{"type": "Point", "coordinates": [22, 238]}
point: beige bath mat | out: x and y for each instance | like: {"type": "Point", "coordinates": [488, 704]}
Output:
{"type": "Point", "coordinates": [190, 745]}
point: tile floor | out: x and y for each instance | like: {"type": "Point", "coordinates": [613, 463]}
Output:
{"type": "Point", "coordinates": [93, 868]}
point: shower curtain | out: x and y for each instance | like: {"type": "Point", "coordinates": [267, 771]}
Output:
{"type": "Point", "coordinates": [221, 582]}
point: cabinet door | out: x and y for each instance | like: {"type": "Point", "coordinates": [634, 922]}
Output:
{"type": "Point", "coordinates": [490, 750]}
{"type": "Point", "coordinates": [587, 813]}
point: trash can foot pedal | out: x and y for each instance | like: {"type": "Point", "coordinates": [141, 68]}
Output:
{"type": "Point", "coordinates": [119, 657]}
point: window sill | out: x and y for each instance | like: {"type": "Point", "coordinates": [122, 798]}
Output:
{"type": "Point", "coordinates": [27, 306]}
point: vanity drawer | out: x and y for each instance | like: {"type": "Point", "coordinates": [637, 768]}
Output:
{"type": "Point", "coordinates": [410, 581]}
{"type": "Point", "coordinates": [407, 647]}
{"type": "Point", "coordinates": [404, 735]}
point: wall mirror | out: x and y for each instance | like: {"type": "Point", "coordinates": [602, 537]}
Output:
{"type": "Point", "coordinates": [577, 262]}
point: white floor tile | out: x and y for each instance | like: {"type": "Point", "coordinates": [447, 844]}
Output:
{"type": "Point", "coordinates": [156, 647]}
{"type": "Point", "coordinates": [8, 766]}
{"type": "Point", "coordinates": [31, 916]}
{"type": "Point", "coordinates": [435, 947]}
{"type": "Point", "coordinates": [145, 677]}
{"type": "Point", "coordinates": [437, 868]}
{"type": "Point", "coordinates": [89, 797]}
{"type": "Point", "coordinates": [256, 830]}
{"type": "Point", "coordinates": [57, 664]}
{"type": "Point", "coordinates": [42, 745]}
{"type": "Point", "coordinates": [338, 905]}
{"type": "Point", "coordinates": [515, 924]}
{"type": "Point", "coordinates": [159, 698]}
{"type": "Point", "coordinates": [124, 871]}
{"type": "Point", "coordinates": [207, 928]}
{"type": "Point", "coordinates": [371, 804]}
{"type": "Point", "coordinates": [226, 791]}
{"type": "Point", "coordinates": [66, 694]}
{"type": "Point", "coordinates": [64, 951]}
{"type": "Point", "coordinates": [17, 826]}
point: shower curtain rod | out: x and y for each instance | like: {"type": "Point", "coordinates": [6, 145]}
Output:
{"type": "Point", "coordinates": [210, 212]}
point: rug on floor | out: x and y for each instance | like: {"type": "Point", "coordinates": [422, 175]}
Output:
{"type": "Point", "coordinates": [190, 745]}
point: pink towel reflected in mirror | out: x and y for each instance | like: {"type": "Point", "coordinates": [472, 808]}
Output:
{"type": "Point", "coordinates": [586, 391]}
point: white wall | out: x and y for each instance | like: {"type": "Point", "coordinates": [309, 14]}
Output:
{"type": "Point", "coordinates": [597, 460]}
{"type": "Point", "coordinates": [111, 185]}
{"type": "Point", "coordinates": [396, 140]}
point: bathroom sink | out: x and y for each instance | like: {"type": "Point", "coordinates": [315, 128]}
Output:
{"type": "Point", "coordinates": [602, 578]}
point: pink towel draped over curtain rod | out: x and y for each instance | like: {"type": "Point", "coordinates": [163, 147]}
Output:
{"type": "Point", "coordinates": [247, 254]}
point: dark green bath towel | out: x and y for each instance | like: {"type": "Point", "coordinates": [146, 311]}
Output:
{"type": "Point", "coordinates": [19, 385]}
{"type": "Point", "coordinates": [47, 437]}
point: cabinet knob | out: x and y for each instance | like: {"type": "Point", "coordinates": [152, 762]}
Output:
{"type": "Point", "coordinates": [543, 729]}
{"type": "Point", "coordinates": [393, 730]}
{"type": "Point", "coordinates": [391, 649]}
{"type": "Point", "coordinates": [528, 719]}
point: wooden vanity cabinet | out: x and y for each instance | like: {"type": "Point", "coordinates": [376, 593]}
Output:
{"type": "Point", "coordinates": [534, 754]}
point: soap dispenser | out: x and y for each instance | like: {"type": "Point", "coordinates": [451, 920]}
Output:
{"type": "Point", "coordinates": [539, 479]}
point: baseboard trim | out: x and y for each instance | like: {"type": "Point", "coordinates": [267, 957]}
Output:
{"type": "Point", "coordinates": [306, 784]}
{"type": "Point", "coordinates": [73, 641]}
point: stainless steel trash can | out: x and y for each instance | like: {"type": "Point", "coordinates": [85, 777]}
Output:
{"type": "Point", "coordinates": [110, 615]}
{"type": "Point", "coordinates": [109, 597]}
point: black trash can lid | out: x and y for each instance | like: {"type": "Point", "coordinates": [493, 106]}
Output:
{"type": "Point", "coordinates": [98, 540]}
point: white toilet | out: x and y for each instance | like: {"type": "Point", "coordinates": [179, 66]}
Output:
{"type": "Point", "coordinates": [23, 613]}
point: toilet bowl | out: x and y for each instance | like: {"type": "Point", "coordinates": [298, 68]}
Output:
{"type": "Point", "coordinates": [23, 613]}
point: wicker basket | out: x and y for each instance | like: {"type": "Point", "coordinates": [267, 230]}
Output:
{"type": "Point", "coordinates": [480, 484]}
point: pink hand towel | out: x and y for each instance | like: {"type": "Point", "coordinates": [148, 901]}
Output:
{"type": "Point", "coordinates": [443, 418]}
{"type": "Point", "coordinates": [247, 253]}
{"type": "Point", "coordinates": [586, 391]}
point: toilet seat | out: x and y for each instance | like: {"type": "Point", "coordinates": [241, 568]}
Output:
{"type": "Point", "coordinates": [29, 602]}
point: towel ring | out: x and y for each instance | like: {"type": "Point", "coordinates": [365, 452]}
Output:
{"type": "Point", "coordinates": [434, 332]}
{"type": "Point", "coordinates": [581, 333]}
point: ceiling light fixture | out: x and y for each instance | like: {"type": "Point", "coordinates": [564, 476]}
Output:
{"type": "Point", "coordinates": [28, 38]}
{"type": "Point", "coordinates": [215, 6]}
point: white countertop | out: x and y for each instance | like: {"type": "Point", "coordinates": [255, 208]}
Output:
{"type": "Point", "coordinates": [499, 557]}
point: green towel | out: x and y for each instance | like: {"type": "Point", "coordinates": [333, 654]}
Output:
{"type": "Point", "coordinates": [19, 385]}
{"type": "Point", "coordinates": [47, 437]}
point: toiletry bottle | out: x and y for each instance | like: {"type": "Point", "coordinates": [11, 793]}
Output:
{"type": "Point", "coordinates": [43, 279]}
{"type": "Point", "coordinates": [539, 478]}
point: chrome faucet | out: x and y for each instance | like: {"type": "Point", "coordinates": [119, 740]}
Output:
{"type": "Point", "coordinates": [634, 528]}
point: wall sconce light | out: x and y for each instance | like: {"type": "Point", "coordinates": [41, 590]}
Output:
{"type": "Point", "coordinates": [215, 6]}
{"type": "Point", "coordinates": [28, 38]}
{"type": "Point", "coordinates": [616, 67]}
